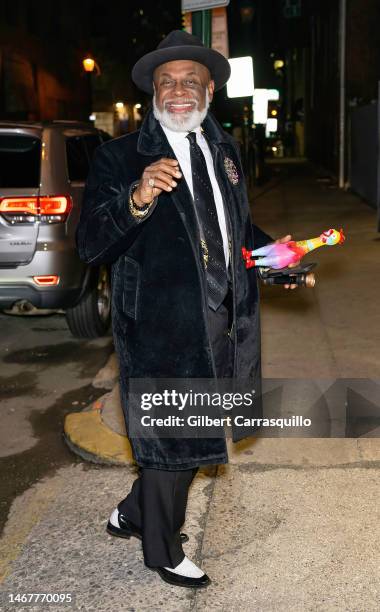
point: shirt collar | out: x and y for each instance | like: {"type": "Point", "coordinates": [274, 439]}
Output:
{"type": "Point", "coordinates": [177, 137]}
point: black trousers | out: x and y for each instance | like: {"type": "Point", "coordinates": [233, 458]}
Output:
{"type": "Point", "coordinates": [157, 504]}
{"type": "Point", "coordinates": [158, 498]}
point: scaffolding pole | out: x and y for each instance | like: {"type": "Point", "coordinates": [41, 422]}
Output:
{"type": "Point", "coordinates": [342, 92]}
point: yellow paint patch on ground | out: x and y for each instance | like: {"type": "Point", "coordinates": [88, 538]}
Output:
{"type": "Point", "coordinates": [86, 431]}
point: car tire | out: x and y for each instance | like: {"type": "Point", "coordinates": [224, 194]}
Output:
{"type": "Point", "coordinates": [91, 316]}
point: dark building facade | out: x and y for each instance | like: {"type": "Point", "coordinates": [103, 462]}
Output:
{"type": "Point", "coordinates": [361, 50]}
{"type": "Point", "coordinates": [42, 45]}
{"type": "Point", "coordinates": [307, 35]}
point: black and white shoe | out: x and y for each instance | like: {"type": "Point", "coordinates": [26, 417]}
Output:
{"type": "Point", "coordinates": [186, 574]}
{"type": "Point", "coordinates": [118, 525]}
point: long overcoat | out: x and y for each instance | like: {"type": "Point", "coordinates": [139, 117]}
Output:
{"type": "Point", "coordinates": [159, 303]}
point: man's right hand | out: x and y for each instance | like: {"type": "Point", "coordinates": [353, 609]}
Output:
{"type": "Point", "coordinates": [158, 177]}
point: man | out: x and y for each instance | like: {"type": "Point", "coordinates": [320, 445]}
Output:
{"type": "Point", "coordinates": [167, 207]}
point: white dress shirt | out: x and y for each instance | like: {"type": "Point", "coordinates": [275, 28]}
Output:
{"type": "Point", "coordinates": [181, 147]}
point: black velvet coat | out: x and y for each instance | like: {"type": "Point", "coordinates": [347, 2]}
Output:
{"type": "Point", "coordinates": [159, 303]}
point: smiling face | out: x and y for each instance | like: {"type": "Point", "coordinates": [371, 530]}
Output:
{"type": "Point", "coordinates": [183, 90]}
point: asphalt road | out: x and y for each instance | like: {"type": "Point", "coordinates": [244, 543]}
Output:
{"type": "Point", "coordinates": [45, 373]}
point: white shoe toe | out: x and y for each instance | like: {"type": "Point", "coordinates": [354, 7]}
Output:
{"type": "Point", "coordinates": [187, 568]}
{"type": "Point", "coordinates": [114, 518]}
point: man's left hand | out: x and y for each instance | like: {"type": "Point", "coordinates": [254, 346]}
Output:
{"type": "Point", "coordinates": [293, 265]}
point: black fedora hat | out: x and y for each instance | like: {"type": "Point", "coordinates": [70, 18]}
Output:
{"type": "Point", "coordinates": [179, 45]}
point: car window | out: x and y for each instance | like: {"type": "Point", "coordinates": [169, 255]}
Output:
{"type": "Point", "coordinates": [91, 142]}
{"type": "Point", "coordinates": [77, 160]}
{"type": "Point", "coordinates": [20, 161]}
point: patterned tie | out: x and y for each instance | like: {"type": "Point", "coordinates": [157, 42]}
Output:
{"type": "Point", "coordinates": [216, 273]}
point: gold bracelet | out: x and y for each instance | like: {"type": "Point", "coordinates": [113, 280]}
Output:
{"type": "Point", "coordinates": [137, 211]}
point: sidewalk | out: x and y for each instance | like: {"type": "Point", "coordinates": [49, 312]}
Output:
{"type": "Point", "coordinates": [289, 525]}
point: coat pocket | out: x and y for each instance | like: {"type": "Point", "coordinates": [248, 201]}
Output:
{"type": "Point", "coordinates": [131, 285]}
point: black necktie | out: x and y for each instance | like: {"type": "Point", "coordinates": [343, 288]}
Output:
{"type": "Point", "coordinates": [217, 283]}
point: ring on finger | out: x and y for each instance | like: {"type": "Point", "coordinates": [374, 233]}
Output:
{"type": "Point", "coordinates": [151, 182]}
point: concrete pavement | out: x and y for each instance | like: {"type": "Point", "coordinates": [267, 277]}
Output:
{"type": "Point", "coordinates": [286, 529]}
{"type": "Point", "coordinates": [288, 524]}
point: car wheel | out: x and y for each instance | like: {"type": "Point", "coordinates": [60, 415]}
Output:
{"type": "Point", "coordinates": [91, 317]}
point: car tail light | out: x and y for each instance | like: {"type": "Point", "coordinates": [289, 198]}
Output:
{"type": "Point", "coordinates": [19, 205]}
{"type": "Point", "coordinates": [47, 279]}
{"type": "Point", "coordinates": [46, 209]}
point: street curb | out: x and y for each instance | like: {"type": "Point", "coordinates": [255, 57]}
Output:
{"type": "Point", "coordinates": [86, 435]}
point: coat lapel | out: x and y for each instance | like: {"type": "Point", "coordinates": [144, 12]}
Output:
{"type": "Point", "coordinates": [153, 142]}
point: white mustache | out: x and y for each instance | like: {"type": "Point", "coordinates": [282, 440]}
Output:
{"type": "Point", "coordinates": [181, 122]}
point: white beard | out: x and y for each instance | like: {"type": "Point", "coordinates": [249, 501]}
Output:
{"type": "Point", "coordinates": [181, 123]}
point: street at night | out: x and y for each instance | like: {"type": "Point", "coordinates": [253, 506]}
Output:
{"type": "Point", "coordinates": [112, 244]}
{"type": "Point", "coordinates": [45, 374]}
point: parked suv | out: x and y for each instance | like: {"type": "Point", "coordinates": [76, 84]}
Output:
{"type": "Point", "coordinates": [43, 168]}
